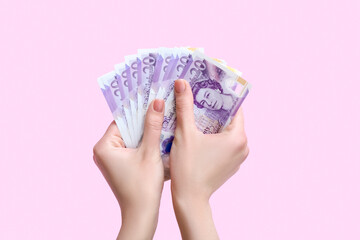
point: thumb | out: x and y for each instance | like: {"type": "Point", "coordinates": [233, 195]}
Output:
{"type": "Point", "coordinates": [153, 125]}
{"type": "Point", "coordinates": [184, 105]}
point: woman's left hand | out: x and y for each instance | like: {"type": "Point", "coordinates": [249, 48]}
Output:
{"type": "Point", "coordinates": [136, 176]}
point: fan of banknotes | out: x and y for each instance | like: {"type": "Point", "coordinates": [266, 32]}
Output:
{"type": "Point", "coordinates": [150, 74]}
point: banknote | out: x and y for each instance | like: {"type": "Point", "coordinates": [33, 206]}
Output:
{"type": "Point", "coordinates": [218, 93]}
{"type": "Point", "coordinates": [148, 58]}
{"type": "Point", "coordinates": [123, 74]}
{"type": "Point", "coordinates": [168, 56]}
{"type": "Point", "coordinates": [155, 78]}
{"type": "Point", "coordinates": [161, 70]}
{"type": "Point", "coordinates": [184, 58]}
{"type": "Point", "coordinates": [133, 64]}
{"type": "Point", "coordinates": [168, 79]}
{"type": "Point", "coordinates": [109, 85]}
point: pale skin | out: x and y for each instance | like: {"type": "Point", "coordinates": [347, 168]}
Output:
{"type": "Point", "coordinates": [136, 176]}
{"type": "Point", "coordinates": [199, 165]}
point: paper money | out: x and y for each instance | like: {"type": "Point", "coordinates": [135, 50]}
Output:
{"type": "Point", "coordinates": [123, 76]}
{"type": "Point", "coordinates": [218, 92]}
{"type": "Point", "coordinates": [148, 59]}
{"type": "Point", "coordinates": [109, 84]}
{"type": "Point", "coordinates": [133, 64]}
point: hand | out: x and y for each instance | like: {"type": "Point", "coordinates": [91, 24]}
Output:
{"type": "Point", "coordinates": [136, 176]}
{"type": "Point", "coordinates": [200, 164]}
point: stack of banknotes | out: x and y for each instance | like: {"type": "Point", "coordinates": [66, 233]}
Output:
{"type": "Point", "coordinates": [150, 74]}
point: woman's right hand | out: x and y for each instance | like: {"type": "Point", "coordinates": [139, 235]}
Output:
{"type": "Point", "coordinates": [200, 164]}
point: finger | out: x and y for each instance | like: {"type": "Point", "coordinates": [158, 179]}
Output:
{"type": "Point", "coordinates": [113, 134]}
{"type": "Point", "coordinates": [153, 125]}
{"type": "Point", "coordinates": [184, 105]}
{"type": "Point", "coordinates": [237, 123]}
{"type": "Point", "coordinates": [112, 130]}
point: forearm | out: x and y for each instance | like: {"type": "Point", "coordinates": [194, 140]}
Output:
{"type": "Point", "coordinates": [137, 225]}
{"type": "Point", "coordinates": [194, 218]}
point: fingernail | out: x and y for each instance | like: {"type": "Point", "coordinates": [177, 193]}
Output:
{"type": "Point", "coordinates": [179, 86]}
{"type": "Point", "coordinates": [158, 105]}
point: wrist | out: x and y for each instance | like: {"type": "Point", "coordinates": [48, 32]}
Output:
{"type": "Point", "coordinates": [193, 214]}
{"type": "Point", "coordinates": [188, 202]}
{"type": "Point", "coordinates": [138, 223]}
{"type": "Point", "coordinates": [186, 194]}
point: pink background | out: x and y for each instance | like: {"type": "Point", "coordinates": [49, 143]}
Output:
{"type": "Point", "coordinates": [301, 180]}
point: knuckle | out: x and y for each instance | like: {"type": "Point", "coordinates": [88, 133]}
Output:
{"type": "Point", "coordinates": [154, 122]}
{"type": "Point", "coordinates": [95, 160]}
{"type": "Point", "coordinates": [230, 127]}
{"type": "Point", "coordinates": [183, 104]}
{"type": "Point", "coordinates": [247, 151]}
{"type": "Point", "coordinates": [98, 151]}
{"type": "Point", "coordinates": [243, 156]}
{"type": "Point", "coordinates": [150, 153]}
{"type": "Point", "coordinates": [181, 108]}
{"type": "Point", "coordinates": [187, 134]}
{"type": "Point", "coordinates": [241, 142]}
